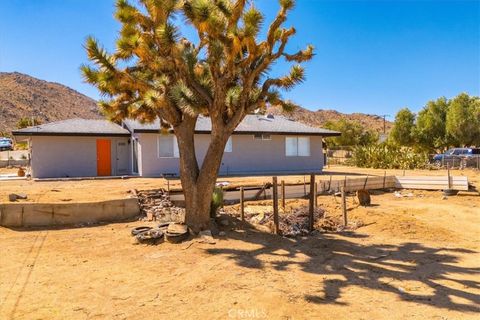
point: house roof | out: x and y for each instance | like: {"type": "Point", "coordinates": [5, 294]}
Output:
{"type": "Point", "coordinates": [251, 124]}
{"type": "Point", "coordinates": [74, 127]}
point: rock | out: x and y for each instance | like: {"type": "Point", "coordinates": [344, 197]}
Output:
{"type": "Point", "coordinates": [224, 222]}
{"type": "Point", "coordinates": [21, 172]}
{"type": "Point", "coordinates": [12, 197]}
{"type": "Point", "coordinates": [213, 227]}
{"type": "Point", "coordinates": [150, 216]}
{"type": "Point", "coordinates": [222, 234]}
{"type": "Point", "coordinates": [206, 237]}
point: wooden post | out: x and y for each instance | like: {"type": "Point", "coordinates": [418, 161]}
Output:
{"type": "Point", "coordinates": [283, 195]}
{"type": "Point", "coordinates": [344, 207]}
{"type": "Point", "coordinates": [312, 196]}
{"type": "Point", "coordinates": [448, 176]}
{"type": "Point", "coordinates": [330, 183]}
{"type": "Point", "coordinates": [304, 187]}
{"type": "Point", "coordinates": [168, 187]}
{"type": "Point", "coordinates": [242, 205]}
{"type": "Point", "coordinates": [384, 178]}
{"type": "Point", "coordinates": [275, 206]}
{"type": "Point", "coordinates": [365, 183]}
{"type": "Point", "coordinates": [315, 189]}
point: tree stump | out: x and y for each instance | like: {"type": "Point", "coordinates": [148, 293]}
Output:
{"type": "Point", "coordinates": [364, 197]}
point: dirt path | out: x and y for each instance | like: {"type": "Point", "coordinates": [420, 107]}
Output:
{"type": "Point", "coordinates": [415, 257]}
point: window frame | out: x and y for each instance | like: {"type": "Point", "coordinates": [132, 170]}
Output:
{"type": "Point", "coordinates": [262, 136]}
{"type": "Point", "coordinates": [176, 153]}
{"type": "Point", "coordinates": [297, 140]}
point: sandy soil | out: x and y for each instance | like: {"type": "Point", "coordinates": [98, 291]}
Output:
{"type": "Point", "coordinates": [415, 257]}
{"type": "Point", "coordinates": [109, 189]}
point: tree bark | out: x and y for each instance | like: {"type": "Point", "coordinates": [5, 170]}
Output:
{"type": "Point", "coordinates": [198, 184]}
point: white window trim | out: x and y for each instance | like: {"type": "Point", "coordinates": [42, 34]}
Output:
{"type": "Point", "coordinates": [297, 146]}
{"type": "Point", "coordinates": [175, 147]}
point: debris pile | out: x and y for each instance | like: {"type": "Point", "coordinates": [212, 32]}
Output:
{"type": "Point", "coordinates": [156, 206]}
{"type": "Point", "coordinates": [297, 222]}
{"type": "Point", "coordinates": [293, 223]}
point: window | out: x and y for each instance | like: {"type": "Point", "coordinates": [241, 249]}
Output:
{"type": "Point", "coordinates": [228, 146]}
{"type": "Point", "coordinates": [167, 146]}
{"type": "Point", "coordinates": [135, 155]}
{"type": "Point", "coordinates": [297, 146]}
{"type": "Point", "coordinates": [261, 136]}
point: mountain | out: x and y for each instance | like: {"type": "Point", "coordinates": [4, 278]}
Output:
{"type": "Point", "coordinates": [320, 117]}
{"type": "Point", "coordinates": [24, 96]}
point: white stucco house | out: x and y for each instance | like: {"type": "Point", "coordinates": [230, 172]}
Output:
{"type": "Point", "coordinates": [87, 148]}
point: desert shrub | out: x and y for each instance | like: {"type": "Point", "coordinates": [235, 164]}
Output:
{"type": "Point", "coordinates": [388, 156]}
{"type": "Point", "coordinates": [217, 201]}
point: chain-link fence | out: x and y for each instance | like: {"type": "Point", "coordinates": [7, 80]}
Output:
{"type": "Point", "coordinates": [454, 161]}
{"type": "Point", "coordinates": [339, 155]}
{"type": "Point", "coordinates": [344, 156]}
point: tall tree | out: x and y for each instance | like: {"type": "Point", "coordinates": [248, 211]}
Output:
{"type": "Point", "coordinates": [430, 126]}
{"type": "Point", "coordinates": [463, 120]}
{"type": "Point", "coordinates": [403, 128]}
{"type": "Point", "coordinates": [353, 133]}
{"type": "Point", "coordinates": [155, 72]}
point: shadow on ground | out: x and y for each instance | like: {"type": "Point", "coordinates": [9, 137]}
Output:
{"type": "Point", "coordinates": [376, 267]}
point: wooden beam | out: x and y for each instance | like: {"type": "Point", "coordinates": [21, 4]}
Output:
{"type": "Point", "coordinates": [242, 204]}
{"type": "Point", "coordinates": [283, 195]}
{"type": "Point", "coordinates": [311, 204]}
{"type": "Point", "coordinates": [275, 206]}
{"type": "Point", "coordinates": [344, 207]}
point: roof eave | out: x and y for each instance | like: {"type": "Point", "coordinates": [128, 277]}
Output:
{"type": "Point", "coordinates": [70, 134]}
{"type": "Point", "coordinates": [282, 133]}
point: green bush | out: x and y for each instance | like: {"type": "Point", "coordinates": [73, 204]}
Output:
{"type": "Point", "coordinates": [217, 201]}
{"type": "Point", "coordinates": [388, 156]}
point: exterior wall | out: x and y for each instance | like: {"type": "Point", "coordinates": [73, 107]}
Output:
{"type": "Point", "coordinates": [51, 214]}
{"type": "Point", "coordinates": [71, 156]}
{"type": "Point", "coordinates": [248, 156]}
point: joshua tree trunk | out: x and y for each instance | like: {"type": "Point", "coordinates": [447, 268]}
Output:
{"type": "Point", "coordinates": [198, 183]}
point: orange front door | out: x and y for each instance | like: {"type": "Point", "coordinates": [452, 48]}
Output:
{"type": "Point", "coordinates": [104, 159]}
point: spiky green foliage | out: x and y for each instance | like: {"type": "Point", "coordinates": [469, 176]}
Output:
{"type": "Point", "coordinates": [388, 156]}
{"type": "Point", "coordinates": [155, 72]}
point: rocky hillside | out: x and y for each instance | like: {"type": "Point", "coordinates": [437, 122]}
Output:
{"type": "Point", "coordinates": [24, 96]}
{"type": "Point", "coordinates": [320, 117]}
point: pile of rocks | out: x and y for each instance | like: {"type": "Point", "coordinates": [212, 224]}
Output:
{"type": "Point", "coordinates": [156, 206]}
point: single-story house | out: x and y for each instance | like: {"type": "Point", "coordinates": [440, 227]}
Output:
{"type": "Point", "coordinates": [87, 148]}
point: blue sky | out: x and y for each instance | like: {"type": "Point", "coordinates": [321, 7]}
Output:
{"type": "Point", "coordinates": [371, 56]}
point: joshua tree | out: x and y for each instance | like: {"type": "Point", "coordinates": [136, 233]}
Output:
{"type": "Point", "coordinates": [156, 73]}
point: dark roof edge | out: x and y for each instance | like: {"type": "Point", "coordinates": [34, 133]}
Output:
{"type": "Point", "coordinates": [70, 134]}
{"type": "Point", "coordinates": [323, 134]}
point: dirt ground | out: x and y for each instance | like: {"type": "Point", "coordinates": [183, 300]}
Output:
{"type": "Point", "coordinates": [110, 189]}
{"type": "Point", "coordinates": [413, 257]}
